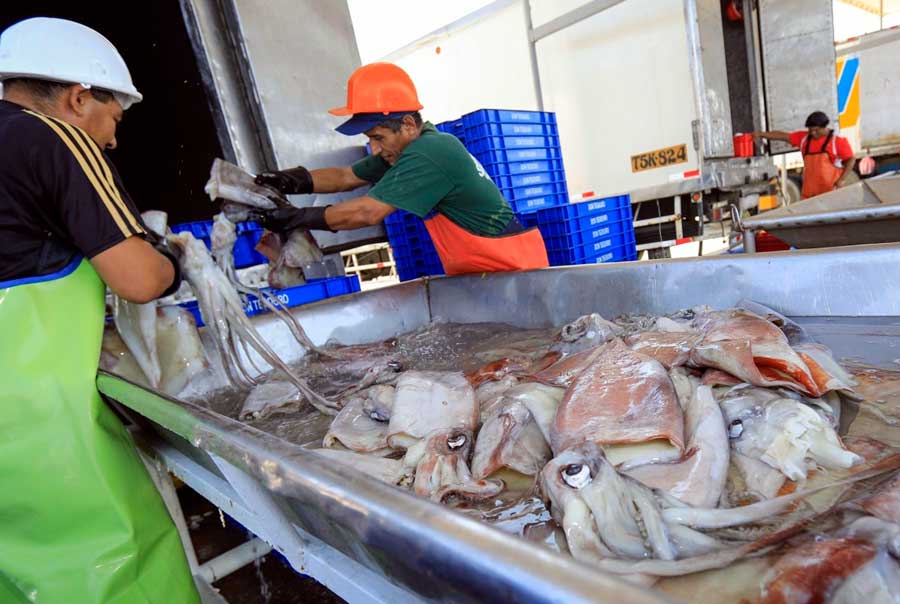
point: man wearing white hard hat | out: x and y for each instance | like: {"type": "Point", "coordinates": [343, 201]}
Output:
{"type": "Point", "coordinates": [80, 519]}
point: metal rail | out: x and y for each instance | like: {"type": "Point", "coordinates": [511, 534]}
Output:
{"type": "Point", "coordinates": [865, 212]}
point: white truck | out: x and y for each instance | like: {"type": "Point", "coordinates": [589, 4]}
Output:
{"type": "Point", "coordinates": [868, 86]}
{"type": "Point", "coordinates": [868, 70]}
{"type": "Point", "coordinates": [648, 96]}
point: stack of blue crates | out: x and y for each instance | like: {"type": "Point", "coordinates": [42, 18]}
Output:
{"type": "Point", "coordinates": [596, 230]}
{"type": "Point", "coordinates": [414, 253]}
{"type": "Point", "coordinates": [454, 127]}
{"type": "Point", "coordinates": [520, 152]}
{"type": "Point", "coordinates": [248, 235]}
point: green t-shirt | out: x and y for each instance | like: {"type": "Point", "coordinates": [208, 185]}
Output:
{"type": "Point", "coordinates": [435, 172]}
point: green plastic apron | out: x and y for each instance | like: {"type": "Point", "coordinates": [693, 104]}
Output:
{"type": "Point", "coordinates": [80, 520]}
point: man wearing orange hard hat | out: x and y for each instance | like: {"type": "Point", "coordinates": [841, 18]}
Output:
{"type": "Point", "coordinates": [413, 167]}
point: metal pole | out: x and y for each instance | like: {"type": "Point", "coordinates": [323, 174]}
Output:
{"type": "Point", "coordinates": [749, 241]}
{"type": "Point", "coordinates": [679, 230]}
{"type": "Point", "coordinates": [234, 559]}
{"type": "Point", "coordinates": [861, 214]}
{"type": "Point", "coordinates": [571, 18]}
{"type": "Point", "coordinates": [532, 52]}
{"type": "Point", "coordinates": [163, 482]}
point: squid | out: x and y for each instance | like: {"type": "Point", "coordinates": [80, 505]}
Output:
{"type": "Point", "coordinates": [516, 433]}
{"type": "Point", "coordinates": [619, 525]}
{"type": "Point", "coordinates": [783, 432]}
{"type": "Point", "coordinates": [699, 479]}
{"type": "Point", "coordinates": [625, 402]}
{"type": "Point", "coordinates": [222, 238]}
{"type": "Point", "coordinates": [362, 425]}
{"type": "Point", "coordinates": [229, 326]}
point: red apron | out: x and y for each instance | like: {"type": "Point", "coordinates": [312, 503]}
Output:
{"type": "Point", "coordinates": [464, 252]}
{"type": "Point", "coordinates": [819, 172]}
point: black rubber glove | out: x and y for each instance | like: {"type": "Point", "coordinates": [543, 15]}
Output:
{"type": "Point", "coordinates": [296, 181]}
{"type": "Point", "coordinates": [283, 220]}
{"type": "Point", "coordinates": [173, 253]}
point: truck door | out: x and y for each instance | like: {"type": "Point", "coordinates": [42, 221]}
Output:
{"type": "Point", "coordinates": [272, 70]}
{"type": "Point", "coordinates": [797, 47]}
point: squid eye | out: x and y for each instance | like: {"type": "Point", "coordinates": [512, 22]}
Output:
{"type": "Point", "coordinates": [455, 442]}
{"type": "Point", "coordinates": [735, 429]}
{"type": "Point", "coordinates": [378, 417]}
{"type": "Point", "coordinates": [576, 475]}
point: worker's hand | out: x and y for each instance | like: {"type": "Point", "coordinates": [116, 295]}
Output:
{"type": "Point", "coordinates": [296, 181]}
{"type": "Point", "coordinates": [283, 220]}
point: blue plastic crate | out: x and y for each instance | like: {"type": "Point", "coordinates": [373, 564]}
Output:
{"type": "Point", "coordinates": [454, 127]}
{"type": "Point", "coordinates": [532, 192]}
{"type": "Point", "coordinates": [534, 204]}
{"type": "Point", "coordinates": [429, 261]}
{"type": "Point", "coordinates": [248, 235]}
{"type": "Point", "coordinates": [489, 156]}
{"type": "Point", "coordinates": [528, 180]}
{"type": "Point", "coordinates": [410, 240]}
{"type": "Point", "coordinates": [413, 251]}
{"type": "Point", "coordinates": [413, 268]}
{"type": "Point", "coordinates": [318, 289]}
{"type": "Point", "coordinates": [506, 130]}
{"type": "Point", "coordinates": [572, 225]}
{"type": "Point", "coordinates": [510, 116]}
{"type": "Point", "coordinates": [494, 143]}
{"type": "Point", "coordinates": [450, 125]}
{"type": "Point", "coordinates": [620, 253]}
{"type": "Point", "coordinates": [528, 219]}
{"type": "Point", "coordinates": [402, 217]}
{"type": "Point", "coordinates": [406, 274]}
{"type": "Point", "coordinates": [587, 214]}
{"type": "Point", "coordinates": [412, 254]}
{"type": "Point", "coordinates": [522, 167]}
{"type": "Point", "coordinates": [592, 241]}
{"type": "Point", "coordinates": [569, 236]}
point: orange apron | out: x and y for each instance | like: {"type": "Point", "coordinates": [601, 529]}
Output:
{"type": "Point", "coordinates": [464, 252]}
{"type": "Point", "coordinates": [819, 172]}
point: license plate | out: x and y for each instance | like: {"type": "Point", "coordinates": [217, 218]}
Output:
{"type": "Point", "coordinates": [659, 158]}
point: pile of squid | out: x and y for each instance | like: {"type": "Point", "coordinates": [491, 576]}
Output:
{"type": "Point", "coordinates": [661, 446]}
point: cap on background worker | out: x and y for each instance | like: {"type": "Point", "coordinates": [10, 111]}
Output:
{"type": "Point", "coordinates": [413, 167]}
{"type": "Point", "coordinates": [827, 159]}
{"type": "Point", "coordinates": [80, 519]}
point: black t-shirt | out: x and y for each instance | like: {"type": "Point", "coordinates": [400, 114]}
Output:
{"type": "Point", "coordinates": [60, 196]}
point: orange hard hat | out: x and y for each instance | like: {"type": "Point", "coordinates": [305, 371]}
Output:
{"type": "Point", "coordinates": [379, 88]}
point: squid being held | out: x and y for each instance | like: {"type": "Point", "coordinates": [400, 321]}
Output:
{"type": "Point", "coordinates": [229, 327]}
{"type": "Point", "coordinates": [223, 237]}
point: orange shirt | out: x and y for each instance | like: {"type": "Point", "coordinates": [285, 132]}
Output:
{"type": "Point", "coordinates": [838, 148]}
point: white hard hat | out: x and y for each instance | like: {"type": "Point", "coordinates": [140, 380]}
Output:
{"type": "Point", "coordinates": [64, 51]}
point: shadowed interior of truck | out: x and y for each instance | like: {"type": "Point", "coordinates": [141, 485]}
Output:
{"type": "Point", "coordinates": [168, 141]}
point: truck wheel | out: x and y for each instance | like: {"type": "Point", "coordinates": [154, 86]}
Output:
{"type": "Point", "coordinates": [791, 191]}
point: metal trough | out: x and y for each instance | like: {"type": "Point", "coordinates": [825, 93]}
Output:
{"type": "Point", "coordinates": [865, 212]}
{"type": "Point", "coordinates": [369, 542]}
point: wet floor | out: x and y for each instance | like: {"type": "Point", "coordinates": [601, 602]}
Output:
{"type": "Point", "coordinates": [271, 581]}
